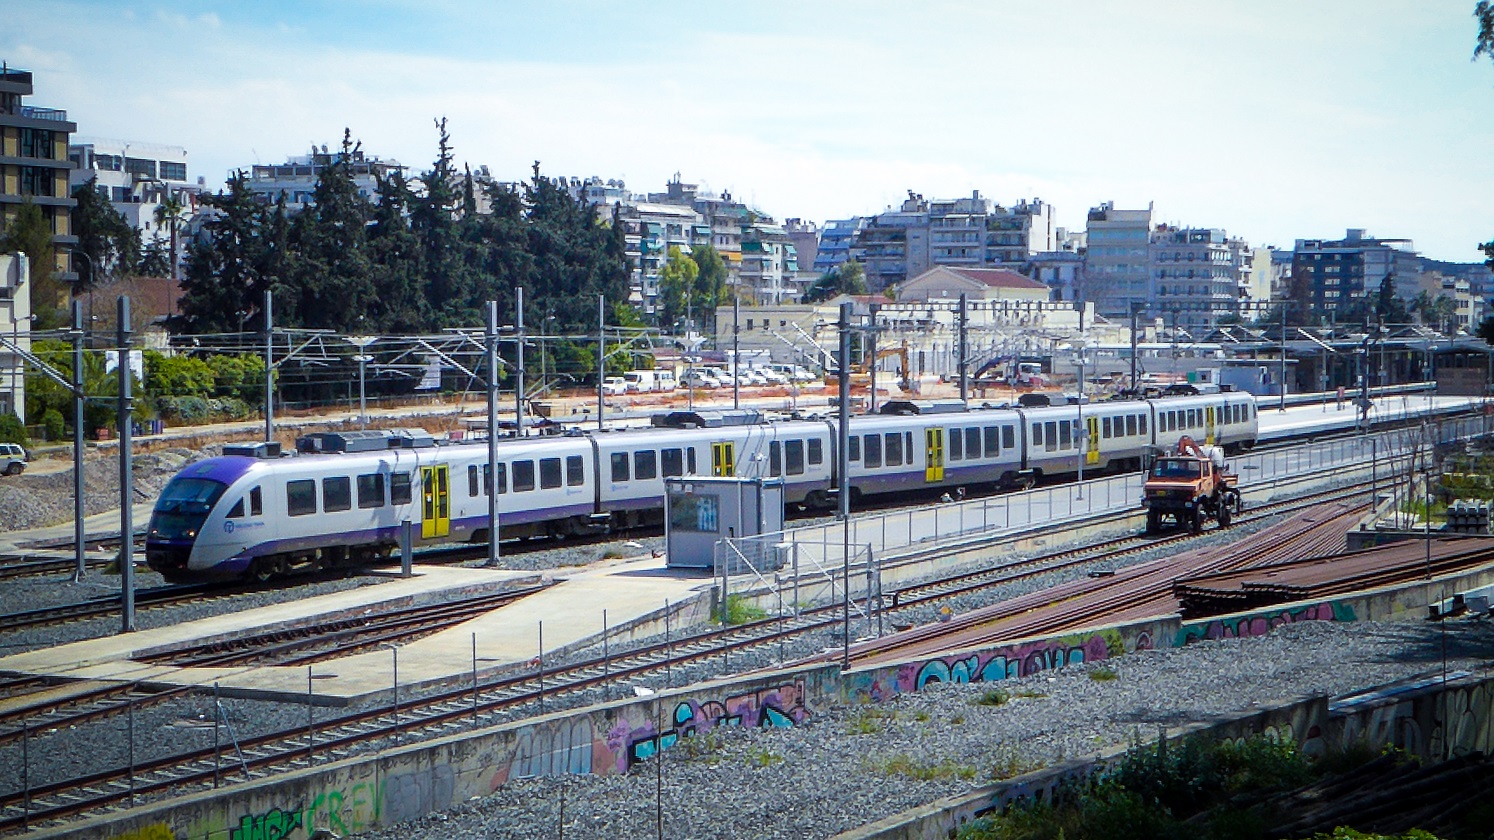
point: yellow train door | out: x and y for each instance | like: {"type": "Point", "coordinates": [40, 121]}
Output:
{"type": "Point", "coordinates": [1092, 445]}
{"type": "Point", "coordinates": [1209, 425]}
{"type": "Point", "coordinates": [933, 469]}
{"type": "Point", "coordinates": [435, 498]}
{"type": "Point", "coordinates": [723, 458]}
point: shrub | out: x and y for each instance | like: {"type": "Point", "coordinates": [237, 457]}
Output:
{"type": "Point", "coordinates": [55, 427]}
{"type": "Point", "coordinates": [12, 430]}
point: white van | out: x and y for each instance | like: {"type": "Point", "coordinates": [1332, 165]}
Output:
{"type": "Point", "coordinates": [640, 381]}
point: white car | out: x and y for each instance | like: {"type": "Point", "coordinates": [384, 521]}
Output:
{"type": "Point", "coordinates": [12, 459]}
{"type": "Point", "coordinates": [614, 386]}
{"type": "Point", "coordinates": [697, 378]}
{"type": "Point", "coordinates": [772, 377]}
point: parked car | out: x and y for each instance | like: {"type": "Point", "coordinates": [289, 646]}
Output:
{"type": "Point", "coordinates": [664, 381]}
{"type": "Point", "coordinates": [700, 378]}
{"type": "Point", "coordinates": [12, 459]}
{"type": "Point", "coordinates": [772, 377]}
{"type": "Point", "coordinates": [614, 386]}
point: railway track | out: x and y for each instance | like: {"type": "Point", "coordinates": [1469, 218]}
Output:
{"type": "Point", "coordinates": [455, 710]}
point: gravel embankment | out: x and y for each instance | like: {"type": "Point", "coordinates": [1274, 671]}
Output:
{"type": "Point", "coordinates": [852, 766]}
{"type": "Point", "coordinates": [36, 500]}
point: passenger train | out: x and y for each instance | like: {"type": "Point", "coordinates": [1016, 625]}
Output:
{"type": "Point", "coordinates": [343, 498]}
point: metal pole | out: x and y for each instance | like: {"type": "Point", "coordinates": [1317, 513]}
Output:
{"type": "Point", "coordinates": [736, 354]}
{"type": "Point", "coordinates": [964, 359]}
{"type": "Point", "coordinates": [843, 456]}
{"type": "Point", "coordinates": [217, 743]}
{"type": "Point", "coordinates": [542, 666]}
{"type": "Point", "coordinates": [126, 479]}
{"type": "Point", "coordinates": [25, 774]}
{"type": "Point", "coordinates": [474, 680]}
{"type": "Point", "coordinates": [269, 366]}
{"type": "Point", "coordinates": [490, 476]}
{"type": "Point", "coordinates": [1079, 435]}
{"type": "Point", "coordinates": [1135, 386]}
{"type": "Point", "coordinates": [405, 539]}
{"type": "Point", "coordinates": [77, 337]}
{"type": "Point", "coordinates": [669, 641]}
{"type": "Point", "coordinates": [130, 723]}
{"type": "Point", "coordinates": [1283, 356]}
{"type": "Point", "coordinates": [310, 719]}
{"type": "Point", "coordinates": [395, 651]}
{"type": "Point", "coordinates": [519, 381]}
{"type": "Point", "coordinates": [606, 659]}
{"type": "Point", "coordinates": [362, 392]}
{"type": "Point", "coordinates": [601, 356]}
{"type": "Point", "coordinates": [871, 359]}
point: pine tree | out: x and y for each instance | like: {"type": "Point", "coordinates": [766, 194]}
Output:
{"type": "Point", "coordinates": [332, 273]}
{"type": "Point", "coordinates": [111, 243]}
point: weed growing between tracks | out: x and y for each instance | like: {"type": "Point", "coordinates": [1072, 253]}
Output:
{"type": "Point", "coordinates": [739, 610]}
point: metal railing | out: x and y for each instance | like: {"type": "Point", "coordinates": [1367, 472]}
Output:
{"type": "Point", "coordinates": [819, 550]}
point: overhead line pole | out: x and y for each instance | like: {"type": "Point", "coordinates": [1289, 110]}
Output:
{"type": "Point", "coordinates": [77, 337]}
{"type": "Point", "coordinates": [519, 380]}
{"type": "Point", "coordinates": [491, 472]}
{"type": "Point", "coordinates": [844, 458]}
{"type": "Point", "coordinates": [601, 357]}
{"type": "Point", "coordinates": [269, 367]}
{"type": "Point", "coordinates": [126, 478]}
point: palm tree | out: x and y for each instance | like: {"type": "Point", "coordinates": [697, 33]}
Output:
{"type": "Point", "coordinates": [169, 212]}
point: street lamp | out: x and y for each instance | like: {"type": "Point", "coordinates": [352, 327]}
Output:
{"type": "Point", "coordinates": [362, 342]}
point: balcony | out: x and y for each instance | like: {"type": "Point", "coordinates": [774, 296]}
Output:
{"type": "Point", "coordinates": [53, 114]}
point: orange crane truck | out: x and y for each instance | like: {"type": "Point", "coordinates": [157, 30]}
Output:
{"type": "Point", "coordinates": [1189, 486]}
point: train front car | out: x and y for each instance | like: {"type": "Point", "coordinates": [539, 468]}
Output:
{"type": "Point", "coordinates": [189, 537]}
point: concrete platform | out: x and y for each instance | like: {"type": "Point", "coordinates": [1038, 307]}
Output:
{"type": "Point", "coordinates": [571, 609]}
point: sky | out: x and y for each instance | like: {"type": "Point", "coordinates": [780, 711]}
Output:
{"type": "Point", "coordinates": [1276, 120]}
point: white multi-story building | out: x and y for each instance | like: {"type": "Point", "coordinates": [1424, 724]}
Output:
{"type": "Point", "coordinates": [1198, 276]}
{"type": "Point", "coordinates": [135, 177]}
{"type": "Point", "coordinates": [1117, 264]}
{"type": "Point", "coordinates": [295, 180]}
{"type": "Point", "coordinates": [15, 320]}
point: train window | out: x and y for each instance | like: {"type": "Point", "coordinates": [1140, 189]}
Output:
{"type": "Point", "coordinates": [549, 473]}
{"type": "Point", "coordinates": [873, 457]}
{"type": "Point", "coordinates": [956, 445]}
{"type": "Point", "coordinates": [1065, 434]}
{"type": "Point", "coordinates": [690, 460]}
{"type": "Point", "coordinates": [816, 452]}
{"type": "Point", "coordinates": [672, 461]}
{"type": "Point", "coordinates": [908, 445]}
{"type": "Point", "coordinates": [972, 443]}
{"type": "Point", "coordinates": [1037, 435]}
{"type": "Point", "coordinates": [1131, 425]}
{"type": "Point", "coordinates": [853, 448]}
{"type": "Point", "coordinates": [471, 480]}
{"type": "Point", "coordinates": [645, 464]}
{"type": "Point", "coordinates": [575, 471]}
{"type": "Point", "coordinates": [1050, 436]}
{"type": "Point", "coordinates": [523, 476]}
{"type": "Point", "coordinates": [1193, 419]}
{"type": "Point", "coordinates": [1141, 424]}
{"type": "Point", "coordinates": [502, 477]}
{"type": "Point", "coordinates": [257, 502]}
{"type": "Point", "coordinates": [400, 490]}
{"type": "Point", "coordinates": [894, 449]}
{"type": "Point", "coordinates": [775, 458]}
{"type": "Point", "coordinates": [793, 457]}
{"type": "Point", "coordinates": [300, 497]}
{"type": "Point", "coordinates": [993, 441]}
{"type": "Point", "coordinates": [371, 490]}
{"type": "Point", "coordinates": [337, 494]}
{"type": "Point", "coordinates": [620, 466]}
{"type": "Point", "coordinates": [237, 511]}
{"type": "Point", "coordinates": [1105, 429]}
{"type": "Point", "coordinates": [1009, 437]}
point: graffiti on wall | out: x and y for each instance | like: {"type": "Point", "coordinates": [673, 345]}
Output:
{"type": "Point", "coordinates": [778, 706]}
{"type": "Point", "coordinates": [996, 664]}
{"type": "Point", "coordinates": [553, 748]}
{"type": "Point", "coordinates": [1259, 624]}
{"type": "Point", "coordinates": [154, 831]}
{"type": "Point", "coordinates": [273, 824]}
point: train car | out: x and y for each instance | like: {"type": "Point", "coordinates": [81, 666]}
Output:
{"type": "Point", "coordinates": [1226, 419]}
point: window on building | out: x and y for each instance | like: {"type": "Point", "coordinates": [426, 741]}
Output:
{"type": "Point", "coordinates": [140, 167]}
{"type": "Point", "coordinates": [171, 171]}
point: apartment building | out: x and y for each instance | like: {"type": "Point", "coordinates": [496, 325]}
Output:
{"type": "Point", "coordinates": [136, 178]}
{"type": "Point", "coordinates": [34, 165]}
{"type": "Point", "coordinates": [1117, 270]}
{"type": "Point", "coordinates": [295, 180]}
{"type": "Point", "coordinates": [15, 319]}
{"type": "Point", "coordinates": [1340, 272]}
{"type": "Point", "coordinates": [1199, 276]}
{"type": "Point", "coordinates": [836, 239]}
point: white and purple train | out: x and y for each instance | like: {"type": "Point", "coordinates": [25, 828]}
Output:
{"type": "Point", "coordinates": [343, 499]}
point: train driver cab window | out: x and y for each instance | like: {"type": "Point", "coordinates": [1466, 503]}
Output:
{"type": "Point", "coordinates": [400, 490]}
{"type": "Point", "coordinates": [645, 464]}
{"type": "Point", "coordinates": [549, 473]}
{"type": "Point", "coordinates": [337, 494]}
{"type": "Point", "coordinates": [972, 443]}
{"type": "Point", "coordinates": [672, 462]}
{"type": "Point", "coordinates": [894, 451]}
{"type": "Point", "coordinates": [873, 456]}
{"type": "Point", "coordinates": [523, 476]}
{"type": "Point", "coordinates": [793, 457]}
{"type": "Point", "coordinates": [1009, 437]}
{"type": "Point", "coordinates": [816, 452]}
{"type": "Point", "coordinates": [575, 471]}
{"type": "Point", "coordinates": [853, 448]}
{"type": "Point", "coordinates": [620, 470]}
{"type": "Point", "coordinates": [993, 440]}
{"type": "Point", "coordinates": [371, 490]}
{"type": "Point", "coordinates": [956, 445]}
{"type": "Point", "coordinates": [300, 497]}
{"type": "Point", "coordinates": [237, 511]}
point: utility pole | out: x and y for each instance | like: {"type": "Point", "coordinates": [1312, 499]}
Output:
{"type": "Point", "coordinates": [269, 368]}
{"type": "Point", "coordinates": [490, 473]}
{"type": "Point", "coordinates": [601, 357]}
{"type": "Point", "coordinates": [1135, 385]}
{"type": "Point", "coordinates": [964, 344]}
{"type": "Point", "coordinates": [126, 478]}
{"type": "Point", "coordinates": [871, 357]}
{"type": "Point", "coordinates": [1283, 406]}
{"type": "Point", "coordinates": [77, 337]}
{"type": "Point", "coordinates": [736, 353]}
{"type": "Point", "coordinates": [519, 380]}
{"type": "Point", "coordinates": [844, 459]}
